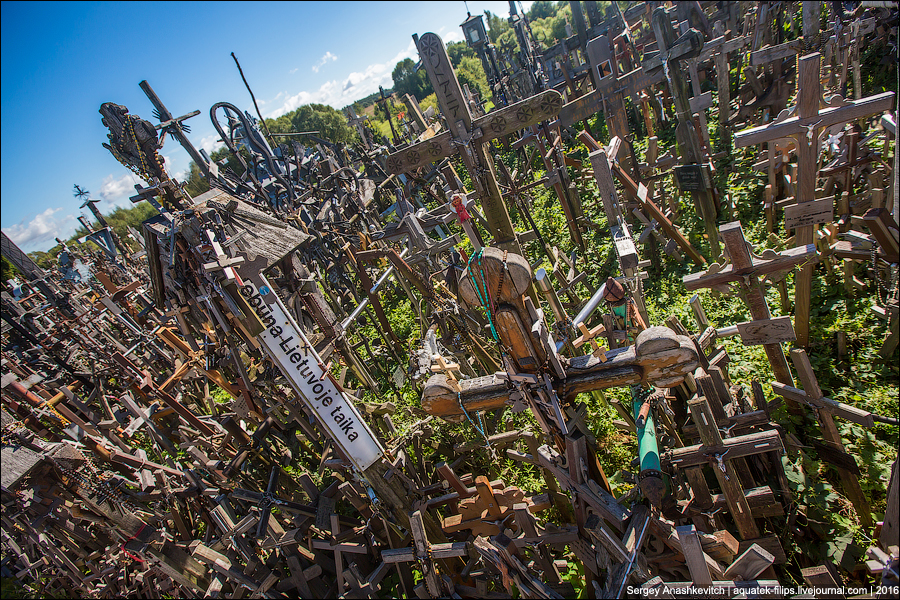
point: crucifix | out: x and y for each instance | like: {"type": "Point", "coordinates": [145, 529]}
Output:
{"type": "Point", "coordinates": [425, 553]}
{"type": "Point", "coordinates": [609, 95]}
{"type": "Point", "coordinates": [672, 54]}
{"type": "Point", "coordinates": [805, 123]}
{"type": "Point", "coordinates": [176, 128]}
{"type": "Point", "coordinates": [468, 136]}
{"type": "Point", "coordinates": [745, 270]}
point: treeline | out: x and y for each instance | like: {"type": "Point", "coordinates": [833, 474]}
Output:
{"type": "Point", "coordinates": [548, 24]}
{"type": "Point", "coordinates": [119, 220]}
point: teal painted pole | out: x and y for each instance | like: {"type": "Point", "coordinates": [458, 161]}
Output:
{"type": "Point", "coordinates": [650, 477]}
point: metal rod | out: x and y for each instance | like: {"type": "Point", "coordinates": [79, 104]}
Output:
{"type": "Point", "coordinates": [362, 305]}
{"type": "Point", "coordinates": [590, 307]}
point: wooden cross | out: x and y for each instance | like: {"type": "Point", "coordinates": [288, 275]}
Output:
{"type": "Point", "coordinates": [626, 252]}
{"type": "Point", "coordinates": [387, 105]}
{"type": "Point", "coordinates": [468, 136]}
{"type": "Point", "coordinates": [425, 553]}
{"type": "Point", "coordinates": [805, 124]}
{"type": "Point", "coordinates": [658, 356]}
{"type": "Point", "coordinates": [356, 122]}
{"type": "Point", "coordinates": [741, 574]}
{"type": "Point", "coordinates": [745, 269]}
{"type": "Point", "coordinates": [672, 53]}
{"type": "Point", "coordinates": [833, 450]}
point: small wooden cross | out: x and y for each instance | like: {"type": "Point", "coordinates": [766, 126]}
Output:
{"type": "Point", "coordinates": [745, 270]}
{"type": "Point", "coordinates": [425, 553]}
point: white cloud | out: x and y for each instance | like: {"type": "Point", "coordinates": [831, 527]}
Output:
{"type": "Point", "coordinates": [453, 36]}
{"type": "Point", "coordinates": [41, 230]}
{"type": "Point", "coordinates": [116, 191]}
{"type": "Point", "coordinates": [325, 58]}
{"type": "Point", "coordinates": [292, 71]}
{"type": "Point", "coordinates": [211, 143]}
{"type": "Point", "coordinates": [355, 86]}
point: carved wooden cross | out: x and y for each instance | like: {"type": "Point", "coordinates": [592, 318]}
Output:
{"type": "Point", "coordinates": [468, 136]}
{"type": "Point", "coordinates": [805, 124]}
{"type": "Point", "coordinates": [745, 270]}
{"type": "Point", "coordinates": [659, 357]}
{"type": "Point", "coordinates": [672, 53]}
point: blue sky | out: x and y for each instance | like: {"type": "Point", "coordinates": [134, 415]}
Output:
{"type": "Point", "coordinates": [62, 60]}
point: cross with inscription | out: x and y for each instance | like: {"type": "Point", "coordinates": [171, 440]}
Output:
{"type": "Point", "coordinates": [672, 53]}
{"type": "Point", "coordinates": [468, 136]}
{"type": "Point", "coordinates": [745, 270]}
{"type": "Point", "coordinates": [806, 123]}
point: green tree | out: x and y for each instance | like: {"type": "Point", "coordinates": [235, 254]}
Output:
{"type": "Point", "coordinates": [329, 122]}
{"type": "Point", "coordinates": [541, 10]}
{"type": "Point", "coordinates": [409, 81]}
{"type": "Point", "coordinates": [471, 72]}
{"type": "Point", "coordinates": [7, 270]}
{"type": "Point", "coordinates": [457, 51]}
{"type": "Point", "coordinates": [497, 26]}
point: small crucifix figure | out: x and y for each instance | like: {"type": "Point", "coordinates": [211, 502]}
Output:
{"type": "Point", "coordinates": [805, 123]}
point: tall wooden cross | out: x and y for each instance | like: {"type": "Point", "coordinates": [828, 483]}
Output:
{"type": "Point", "coordinates": [806, 123]}
{"type": "Point", "coordinates": [745, 269]}
{"type": "Point", "coordinates": [468, 136]}
{"type": "Point", "coordinates": [672, 53]}
{"type": "Point", "coordinates": [387, 105]}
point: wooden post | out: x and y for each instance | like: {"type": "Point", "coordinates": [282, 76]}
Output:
{"type": "Point", "coordinates": [831, 435]}
{"type": "Point", "coordinates": [724, 471]}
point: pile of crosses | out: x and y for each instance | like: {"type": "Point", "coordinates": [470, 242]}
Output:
{"type": "Point", "coordinates": [188, 420]}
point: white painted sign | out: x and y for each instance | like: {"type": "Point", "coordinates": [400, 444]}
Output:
{"type": "Point", "coordinates": [302, 366]}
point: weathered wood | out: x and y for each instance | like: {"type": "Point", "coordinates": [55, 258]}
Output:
{"type": "Point", "coordinates": [726, 475]}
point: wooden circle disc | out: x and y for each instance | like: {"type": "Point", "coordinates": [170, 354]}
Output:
{"type": "Point", "coordinates": [515, 281]}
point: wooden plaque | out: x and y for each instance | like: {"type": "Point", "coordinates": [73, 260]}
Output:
{"type": "Point", "coordinates": [809, 213]}
{"type": "Point", "coordinates": [767, 331]}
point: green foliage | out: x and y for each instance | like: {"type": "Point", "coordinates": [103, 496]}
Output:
{"type": "Point", "coordinates": [542, 9]}
{"type": "Point", "coordinates": [409, 81]}
{"type": "Point", "coordinates": [329, 122]}
{"type": "Point", "coordinates": [471, 72]}
{"type": "Point", "coordinates": [8, 270]}
{"type": "Point", "coordinates": [497, 26]}
{"type": "Point", "coordinates": [457, 51]}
